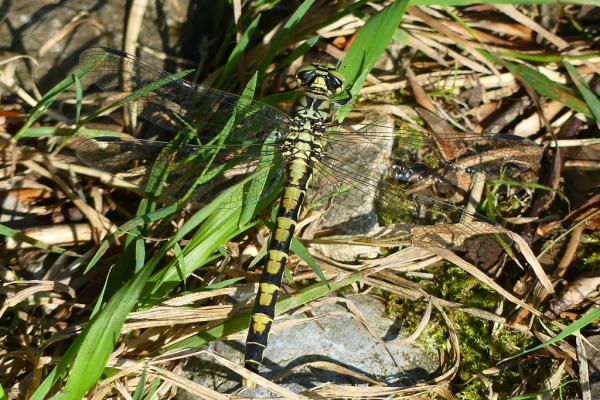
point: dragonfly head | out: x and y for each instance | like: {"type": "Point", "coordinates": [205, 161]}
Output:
{"type": "Point", "coordinates": [322, 78]}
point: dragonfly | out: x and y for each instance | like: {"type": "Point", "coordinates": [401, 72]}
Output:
{"type": "Point", "coordinates": [343, 168]}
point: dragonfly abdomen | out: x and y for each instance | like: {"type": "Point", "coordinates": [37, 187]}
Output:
{"type": "Point", "coordinates": [298, 172]}
{"type": "Point", "coordinates": [312, 113]}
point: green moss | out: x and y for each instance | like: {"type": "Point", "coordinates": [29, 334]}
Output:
{"type": "Point", "coordinates": [591, 250]}
{"type": "Point", "coordinates": [481, 346]}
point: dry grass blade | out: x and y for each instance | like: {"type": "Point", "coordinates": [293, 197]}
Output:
{"type": "Point", "coordinates": [453, 258]}
{"type": "Point", "coordinates": [552, 383]}
{"type": "Point", "coordinates": [584, 372]}
{"type": "Point", "coordinates": [186, 384]}
{"type": "Point", "coordinates": [32, 288]}
{"type": "Point", "coordinates": [333, 391]}
{"type": "Point", "coordinates": [534, 263]}
{"type": "Point", "coordinates": [327, 366]}
{"type": "Point", "coordinates": [166, 316]}
{"type": "Point", "coordinates": [455, 38]}
{"type": "Point", "coordinates": [78, 19]}
{"type": "Point", "coordinates": [255, 377]}
{"type": "Point", "coordinates": [422, 325]}
{"type": "Point", "coordinates": [58, 235]}
{"type": "Point", "coordinates": [98, 221]}
{"type": "Point", "coordinates": [453, 350]}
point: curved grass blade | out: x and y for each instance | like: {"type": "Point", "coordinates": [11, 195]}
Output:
{"type": "Point", "coordinates": [584, 88]}
{"type": "Point", "coordinates": [21, 237]}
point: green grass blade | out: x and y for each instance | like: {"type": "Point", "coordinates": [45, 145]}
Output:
{"type": "Point", "coordinates": [218, 228]}
{"type": "Point", "coordinates": [78, 98]}
{"type": "Point", "coordinates": [346, 10]}
{"type": "Point", "coordinates": [283, 97]}
{"type": "Point", "coordinates": [586, 92]}
{"type": "Point", "coordinates": [138, 221]}
{"type": "Point", "coordinates": [139, 389]}
{"type": "Point", "coordinates": [96, 342]}
{"type": "Point", "coordinates": [569, 330]}
{"type": "Point", "coordinates": [530, 185]}
{"type": "Point", "coordinates": [283, 36]}
{"type": "Point", "coordinates": [101, 334]}
{"type": "Point", "coordinates": [365, 51]}
{"type": "Point", "coordinates": [551, 58]}
{"type": "Point", "coordinates": [238, 50]}
{"type": "Point", "coordinates": [545, 86]}
{"type": "Point", "coordinates": [46, 101]}
{"type": "Point", "coordinates": [153, 389]}
{"type": "Point", "coordinates": [298, 248]}
{"type": "Point", "coordinates": [296, 54]}
{"type": "Point", "coordinates": [538, 395]}
{"type": "Point", "coordinates": [21, 237]}
{"type": "Point", "coordinates": [220, 225]}
{"type": "Point", "coordinates": [52, 131]}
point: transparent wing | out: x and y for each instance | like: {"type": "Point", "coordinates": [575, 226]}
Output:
{"type": "Point", "coordinates": [170, 104]}
{"type": "Point", "coordinates": [196, 174]}
{"type": "Point", "coordinates": [415, 156]}
{"type": "Point", "coordinates": [358, 178]}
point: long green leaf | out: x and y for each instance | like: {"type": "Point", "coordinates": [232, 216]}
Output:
{"type": "Point", "coordinates": [569, 330]}
{"type": "Point", "coordinates": [553, 90]}
{"type": "Point", "coordinates": [238, 50]}
{"type": "Point", "coordinates": [586, 92]}
{"type": "Point", "coordinates": [96, 342]}
{"type": "Point", "coordinates": [143, 219]}
{"type": "Point", "coordinates": [299, 249]}
{"type": "Point", "coordinates": [21, 237]}
{"type": "Point", "coordinates": [283, 36]}
{"type": "Point", "coordinates": [46, 101]}
{"type": "Point", "coordinates": [103, 331]}
{"type": "Point", "coordinates": [365, 51]}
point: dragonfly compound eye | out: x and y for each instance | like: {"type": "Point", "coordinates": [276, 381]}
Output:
{"type": "Point", "coordinates": [305, 75]}
{"type": "Point", "coordinates": [336, 82]}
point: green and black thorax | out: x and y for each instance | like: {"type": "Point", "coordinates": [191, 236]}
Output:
{"type": "Point", "coordinates": [312, 112]}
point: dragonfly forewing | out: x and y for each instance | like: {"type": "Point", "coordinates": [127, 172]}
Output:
{"type": "Point", "coordinates": [196, 174]}
{"type": "Point", "coordinates": [176, 104]}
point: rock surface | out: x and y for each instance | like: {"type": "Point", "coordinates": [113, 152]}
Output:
{"type": "Point", "coordinates": [341, 340]}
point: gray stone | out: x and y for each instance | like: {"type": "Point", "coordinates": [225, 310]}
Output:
{"type": "Point", "coordinates": [342, 340]}
{"type": "Point", "coordinates": [30, 25]}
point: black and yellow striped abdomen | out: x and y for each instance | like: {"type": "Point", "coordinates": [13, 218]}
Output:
{"type": "Point", "coordinates": [312, 114]}
{"type": "Point", "coordinates": [276, 260]}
